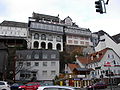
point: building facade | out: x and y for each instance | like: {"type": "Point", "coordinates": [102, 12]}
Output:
{"type": "Point", "coordinates": [75, 36]}
{"type": "Point", "coordinates": [43, 65]}
{"type": "Point", "coordinates": [45, 32]}
{"type": "Point", "coordinates": [13, 33]}
{"type": "Point", "coordinates": [105, 65]}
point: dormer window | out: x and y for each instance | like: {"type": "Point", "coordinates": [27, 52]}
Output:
{"type": "Point", "coordinates": [68, 21]}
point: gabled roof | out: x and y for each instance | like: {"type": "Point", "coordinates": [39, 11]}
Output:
{"type": "Point", "coordinates": [101, 33]}
{"type": "Point", "coordinates": [94, 57]}
{"type": "Point", "coordinates": [14, 24]}
{"type": "Point", "coordinates": [73, 66]}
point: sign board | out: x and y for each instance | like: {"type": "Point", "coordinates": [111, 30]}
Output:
{"type": "Point", "coordinates": [107, 64]}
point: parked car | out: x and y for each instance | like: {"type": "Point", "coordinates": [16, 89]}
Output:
{"type": "Point", "coordinates": [30, 86]}
{"type": "Point", "coordinates": [15, 86]}
{"type": "Point", "coordinates": [4, 85]}
{"type": "Point", "coordinates": [57, 88]}
{"type": "Point", "coordinates": [98, 85]}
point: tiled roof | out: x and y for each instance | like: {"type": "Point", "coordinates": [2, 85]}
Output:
{"type": "Point", "coordinates": [94, 57]}
{"type": "Point", "coordinates": [73, 66]}
{"type": "Point", "coordinates": [14, 24]}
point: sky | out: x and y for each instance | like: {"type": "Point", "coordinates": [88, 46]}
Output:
{"type": "Point", "coordinates": [82, 12]}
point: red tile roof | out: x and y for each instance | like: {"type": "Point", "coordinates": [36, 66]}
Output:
{"type": "Point", "coordinates": [73, 66]}
{"type": "Point", "coordinates": [94, 57]}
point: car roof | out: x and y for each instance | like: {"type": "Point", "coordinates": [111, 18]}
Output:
{"type": "Point", "coordinates": [68, 87]}
{"type": "Point", "coordinates": [3, 81]}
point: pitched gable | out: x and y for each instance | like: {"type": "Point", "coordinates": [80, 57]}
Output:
{"type": "Point", "coordinates": [73, 66]}
{"type": "Point", "coordinates": [94, 57]}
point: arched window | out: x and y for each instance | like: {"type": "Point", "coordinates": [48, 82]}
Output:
{"type": "Point", "coordinates": [58, 46]}
{"type": "Point", "coordinates": [36, 44]}
{"type": "Point", "coordinates": [58, 39]}
{"type": "Point", "coordinates": [43, 37]}
{"type": "Point", "coordinates": [50, 38]}
{"type": "Point", "coordinates": [36, 36]}
{"type": "Point", "coordinates": [49, 45]}
{"type": "Point", "coordinates": [36, 56]}
{"type": "Point", "coordinates": [43, 45]}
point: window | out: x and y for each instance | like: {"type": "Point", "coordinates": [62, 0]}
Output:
{"type": "Point", "coordinates": [28, 56]}
{"type": "Point", "coordinates": [108, 56]}
{"type": "Point", "coordinates": [50, 45]}
{"type": "Point", "coordinates": [36, 36]}
{"type": "Point", "coordinates": [81, 42]}
{"type": "Point", "coordinates": [28, 64]}
{"type": "Point", "coordinates": [44, 56]}
{"type": "Point", "coordinates": [82, 38]}
{"type": "Point", "coordinates": [50, 38]}
{"type": "Point", "coordinates": [20, 63]}
{"type": "Point", "coordinates": [69, 36]}
{"type": "Point", "coordinates": [36, 63]}
{"type": "Point", "coordinates": [52, 63]}
{"type": "Point", "coordinates": [69, 41]}
{"type": "Point", "coordinates": [20, 56]}
{"type": "Point", "coordinates": [86, 43]}
{"type": "Point", "coordinates": [43, 37]}
{"type": "Point", "coordinates": [36, 56]}
{"type": "Point", "coordinates": [53, 56]}
{"type": "Point", "coordinates": [58, 39]}
{"type": "Point", "coordinates": [75, 42]}
{"type": "Point", "coordinates": [28, 76]}
{"type": "Point", "coordinates": [86, 38]}
{"type": "Point", "coordinates": [2, 83]}
{"type": "Point", "coordinates": [52, 72]}
{"type": "Point", "coordinates": [58, 46]}
{"type": "Point", "coordinates": [36, 44]}
{"type": "Point", "coordinates": [44, 73]}
{"type": "Point", "coordinates": [112, 56]}
{"type": "Point", "coordinates": [114, 62]}
{"type": "Point", "coordinates": [75, 37]}
{"type": "Point", "coordinates": [45, 64]}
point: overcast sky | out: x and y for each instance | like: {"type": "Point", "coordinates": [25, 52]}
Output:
{"type": "Point", "coordinates": [81, 11]}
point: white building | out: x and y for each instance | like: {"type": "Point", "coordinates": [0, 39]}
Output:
{"type": "Point", "coordinates": [41, 64]}
{"type": "Point", "coordinates": [103, 63]}
{"type": "Point", "coordinates": [75, 36]}
{"type": "Point", "coordinates": [45, 32]}
{"type": "Point", "coordinates": [13, 29]}
{"type": "Point", "coordinates": [14, 34]}
{"type": "Point", "coordinates": [106, 41]}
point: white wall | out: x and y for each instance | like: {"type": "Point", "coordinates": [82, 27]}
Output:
{"type": "Point", "coordinates": [54, 42]}
{"type": "Point", "coordinates": [13, 31]}
{"type": "Point", "coordinates": [108, 43]}
{"type": "Point", "coordinates": [103, 62]}
{"type": "Point", "coordinates": [41, 68]}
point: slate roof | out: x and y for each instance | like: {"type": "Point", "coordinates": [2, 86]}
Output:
{"type": "Point", "coordinates": [117, 38]}
{"type": "Point", "coordinates": [14, 24]}
{"type": "Point", "coordinates": [82, 69]}
{"type": "Point", "coordinates": [46, 17]}
{"type": "Point", "coordinates": [101, 32]}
